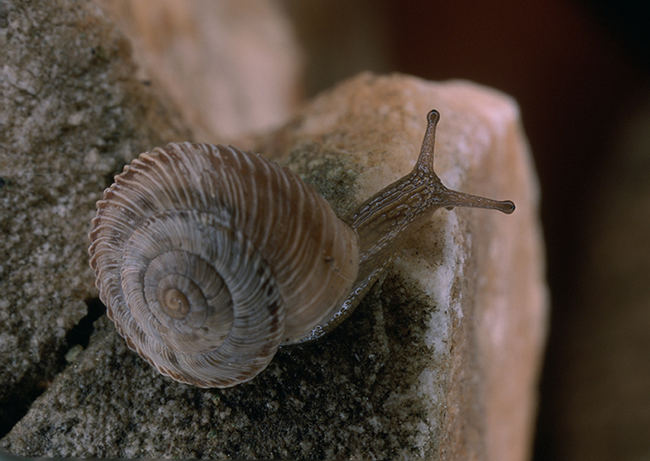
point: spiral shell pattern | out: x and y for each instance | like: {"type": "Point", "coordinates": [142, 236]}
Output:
{"type": "Point", "coordinates": [208, 258]}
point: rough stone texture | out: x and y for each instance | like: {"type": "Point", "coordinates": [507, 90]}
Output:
{"type": "Point", "coordinates": [70, 115]}
{"type": "Point", "coordinates": [230, 66]}
{"type": "Point", "coordinates": [439, 361]}
{"type": "Point", "coordinates": [482, 272]}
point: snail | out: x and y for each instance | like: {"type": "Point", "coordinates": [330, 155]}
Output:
{"type": "Point", "coordinates": [209, 258]}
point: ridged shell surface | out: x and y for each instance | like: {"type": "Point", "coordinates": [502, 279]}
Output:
{"type": "Point", "coordinates": [208, 258]}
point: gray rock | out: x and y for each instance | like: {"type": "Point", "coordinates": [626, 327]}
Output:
{"type": "Point", "coordinates": [70, 116]}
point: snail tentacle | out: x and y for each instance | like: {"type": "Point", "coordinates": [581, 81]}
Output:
{"type": "Point", "coordinates": [389, 214]}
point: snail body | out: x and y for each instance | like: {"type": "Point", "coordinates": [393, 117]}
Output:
{"type": "Point", "coordinates": [209, 258]}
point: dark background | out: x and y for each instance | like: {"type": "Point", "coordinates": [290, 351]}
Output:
{"type": "Point", "coordinates": [579, 71]}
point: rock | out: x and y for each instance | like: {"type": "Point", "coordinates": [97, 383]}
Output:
{"type": "Point", "coordinates": [71, 115]}
{"type": "Point", "coordinates": [439, 361]}
{"type": "Point", "coordinates": [482, 274]}
{"type": "Point", "coordinates": [230, 67]}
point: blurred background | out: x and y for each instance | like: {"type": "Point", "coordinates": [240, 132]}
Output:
{"type": "Point", "coordinates": [580, 72]}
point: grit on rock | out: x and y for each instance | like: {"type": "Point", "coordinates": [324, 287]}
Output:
{"type": "Point", "coordinates": [440, 360]}
{"type": "Point", "coordinates": [71, 115]}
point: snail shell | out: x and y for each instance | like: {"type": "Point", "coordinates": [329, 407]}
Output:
{"type": "Point", "coordinates": [208, 258]}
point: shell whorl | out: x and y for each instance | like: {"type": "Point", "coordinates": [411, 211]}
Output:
{"type": "Point", "coordinates": [208, 258]}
